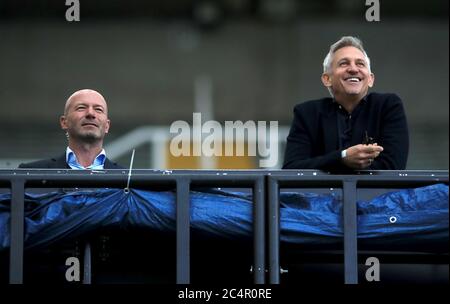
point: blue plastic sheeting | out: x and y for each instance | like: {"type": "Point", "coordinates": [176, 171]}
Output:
{"type": "Point", "coordinates": [306, 218]}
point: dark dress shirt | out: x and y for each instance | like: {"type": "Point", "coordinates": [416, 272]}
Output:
{"type": "Point", "coordinates": [321, 130]}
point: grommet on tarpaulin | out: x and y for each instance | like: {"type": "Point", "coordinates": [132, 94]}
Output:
{"type": "Point", "coordinates": [392, 219]}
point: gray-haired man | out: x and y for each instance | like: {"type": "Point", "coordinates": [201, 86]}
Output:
{"type": "Point", "coordinates": [351, 129]}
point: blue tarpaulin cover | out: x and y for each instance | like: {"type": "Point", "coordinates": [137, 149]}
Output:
{"type": "Point", "coordinates": [306, 218]}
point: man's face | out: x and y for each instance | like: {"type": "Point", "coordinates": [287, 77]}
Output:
{"type": "Point", "coordinates": [86, 117]}
{"type": "Point", "coordinates": [349, 77]}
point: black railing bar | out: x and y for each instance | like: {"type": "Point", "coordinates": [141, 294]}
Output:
{"type": "Point", "coordinates": [230, 181]}
{"type": "Point", "coordinates": [142, 181]}
{"type": "Point", "coordinates": [286, 173]}
{"type": "Point", "coordinates": [373, 178]}
{"type": "Point", "coordinates": [87, 264]}
{"type": "Point", "coordinates": [350, 230]}
{"type": "Point", "coordinates": [147, 177]}
{"type": "Point", "coordinates": [259, 230]}
{"type": "Point", "coordinates": [183, 232]}
{"type": "Point", "coordinates": [145, 174]}
{"type": "Point", "coordinates": [196, 172]}
{"type": "Point", "coordinates": [408, 183]}
{"type": "Point", "coordinates": [289, 181]}
{"type": "Point", "coordinates": [17, 232]}
{"type": "Point", "coordinates": [273, 211]}
{"type": "Point", "coordinates": [311, 172]}
{"type": "Point", "coordinates": [298, 184]}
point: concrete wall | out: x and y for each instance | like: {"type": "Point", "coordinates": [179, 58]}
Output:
{"type": "Point", "coordinates": [147, 71]}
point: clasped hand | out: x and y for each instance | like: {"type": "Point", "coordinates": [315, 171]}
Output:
{"type": "Point", "coordinates": [361, 156]}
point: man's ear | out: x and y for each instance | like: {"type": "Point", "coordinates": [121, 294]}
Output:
{"type": "Point", "coordinates": [107, 126]}
{"type": "Point", "coordinates": [326, 80]}
{"type": "Point", "coordinates": [371, 80]}
{"type": "Point", "coordinates": [63, 123]}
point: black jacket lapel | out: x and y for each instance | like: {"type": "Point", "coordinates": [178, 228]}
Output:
{"type": "Point", "coordinates": [60, 162]}
{"type": "Point", "coordinates": [329, 125]}
{"type": "Point", "coordinates": [111, 165]}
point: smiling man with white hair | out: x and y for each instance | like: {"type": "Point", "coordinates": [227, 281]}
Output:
{"type": "Point", "coordinates": [352, 129]}
{"type": "Point", "coordinates": [85, 122]}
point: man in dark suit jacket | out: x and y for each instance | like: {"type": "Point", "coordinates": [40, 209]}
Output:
{"type": "Point", "coordinates": [60, 162]}
{"type": "Point", "coordinates": [86, 123]}
{"type": "Point", "coordinates": [352, 130]}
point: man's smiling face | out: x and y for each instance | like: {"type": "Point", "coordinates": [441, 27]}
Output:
{"type": "Point", "coordinates": [349, 77]}
{"type": "Point", "coordinates": [86, 116]}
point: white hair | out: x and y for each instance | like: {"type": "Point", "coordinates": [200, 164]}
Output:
{"type": "Point", "coordinates": [343, 42]}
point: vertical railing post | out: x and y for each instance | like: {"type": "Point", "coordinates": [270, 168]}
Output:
{"type": "Point", "coordinates": [17, 231]}
{"type": "Point", "coordinates": [274, 230]}
{"type": "Point", "coordinates": [183, 232]}
{"type": "Point", "coordinates": [87, 264]}
{"type": "Point", "coordinates": [350, 232]}
{"type": "Point", "coordinates": [259, 226]}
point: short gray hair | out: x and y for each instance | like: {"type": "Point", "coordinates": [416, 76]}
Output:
{"type": "Point", "coordinates": [343, 42]}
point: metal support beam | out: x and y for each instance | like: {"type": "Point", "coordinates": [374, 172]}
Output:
{"type": "Point", "coordinates": [274, 230]}
{"type": "Point", "coordinates": [87, 273]}
{"type": "Point", "coordinates": [183, 239]}
{"type": "Point", "coordinates": [350, 232]}
{"type": "Point", "coordinates": [259, 233]}
{"type": "Point", "coordinates": [17, 231]}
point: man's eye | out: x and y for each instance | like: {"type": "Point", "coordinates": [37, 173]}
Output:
{"type": "Point", "coordinates": [99, 110]}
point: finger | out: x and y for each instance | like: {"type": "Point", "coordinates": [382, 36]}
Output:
{"type": "Point", "coordinates": [380, 148]}
{"type": "Point", "coordinates": [363, 157]}
{"type": "Point", "coordinates": [372, 148]}
{"type": "Point", "coordinates": [367, 156]}
{"type": "Point", "coordinates": [374, 155]}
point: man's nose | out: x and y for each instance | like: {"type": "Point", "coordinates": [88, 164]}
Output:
{"type": "Point", "coordinates": [90, 113]}
{"type": "Point", "coordinates": [352, 68]}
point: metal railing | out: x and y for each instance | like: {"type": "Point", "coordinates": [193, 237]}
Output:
{"type": "Point", "coordinates": [349, 184]}
{"type": "Point", "coordinates": [180, 180]}
{"type": "Point", "coordinates": [260, 181]}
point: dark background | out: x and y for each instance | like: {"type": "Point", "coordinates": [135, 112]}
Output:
{"type": "Point", "coordinates": [258, 58]}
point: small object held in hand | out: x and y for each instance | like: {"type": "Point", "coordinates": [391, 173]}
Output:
{"type": "Point", "coordinates": [367, 140]}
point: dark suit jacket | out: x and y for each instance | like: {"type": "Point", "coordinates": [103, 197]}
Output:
{"type": "Point", "coordinates": [312, 142]}
{"type": "Point", "coordinates": [60, 163]}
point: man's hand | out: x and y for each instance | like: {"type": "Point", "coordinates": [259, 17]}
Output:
{"type": "Point", "coordinates": [361, 156]}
